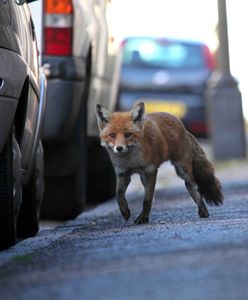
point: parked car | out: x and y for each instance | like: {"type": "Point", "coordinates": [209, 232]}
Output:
{"type": "Point", "coordinates": [22, 106]}
{"type": "Point", "coordinates": [80, 75]}
{"type": "Point", "coordinates": [168, 75]}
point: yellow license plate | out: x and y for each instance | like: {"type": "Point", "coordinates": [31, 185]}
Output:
{"type": "Point", "coordinates": [176, 108]}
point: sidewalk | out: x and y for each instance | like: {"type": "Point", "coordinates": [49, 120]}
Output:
{"type": "Point", "coordinates": [177, 255]}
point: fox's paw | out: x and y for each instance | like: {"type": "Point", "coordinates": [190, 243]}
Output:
{"type": "Point", "coordinates": [203, 212]}
{"type": "Point", "coordinates": [141, 220]}
{"type": "Point", "coordinates": [126, 214]}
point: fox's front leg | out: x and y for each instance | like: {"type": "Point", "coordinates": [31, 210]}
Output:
{"type": "Point", "coordinates": [149, 182]}
{"type": "Point", "coordinates": [122, 183]}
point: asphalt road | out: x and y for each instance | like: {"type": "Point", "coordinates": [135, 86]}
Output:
{"type": "Point", "coordinates": [98, 256]}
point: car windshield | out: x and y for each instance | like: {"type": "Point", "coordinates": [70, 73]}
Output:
{"type": "Point", "coordinates": [145, 52]}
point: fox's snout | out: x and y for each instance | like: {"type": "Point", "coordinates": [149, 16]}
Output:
{"type": "Point", "coordinates": [117, 146]}
{"type": "Point", "coordinates": [120, 149]}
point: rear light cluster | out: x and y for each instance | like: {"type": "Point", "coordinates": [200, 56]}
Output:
{"type": "Point", "coordinates": [198, 128]}
{"type": "Point", "coordinates": [209, 58]}
{"type": "Point", "coordinates": [58, 24]}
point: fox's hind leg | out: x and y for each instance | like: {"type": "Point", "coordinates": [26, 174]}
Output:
{"type": "Point", "coordinates": [149, 181]}
{"type": "Point", "coordinates": [185, 172]}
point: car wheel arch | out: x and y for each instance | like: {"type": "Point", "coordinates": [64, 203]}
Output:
{"type": "Point", "coordinates": [21, 109]}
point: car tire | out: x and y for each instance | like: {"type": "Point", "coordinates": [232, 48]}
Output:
{"type": "Point", "coordinates": [32, 194]}
{"type": "Point", "coordinates": [64, 196]}
{"type": "Point", "coordinates": [101, 179]}
{"type": "Point", "coordinates": [10, 191]}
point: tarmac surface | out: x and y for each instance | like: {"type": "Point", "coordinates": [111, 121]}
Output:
{"type": "Point", "coordinates": [176, 256]}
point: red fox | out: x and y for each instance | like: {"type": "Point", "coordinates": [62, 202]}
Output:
{"type": "Point", "coordinates": [139, 143]}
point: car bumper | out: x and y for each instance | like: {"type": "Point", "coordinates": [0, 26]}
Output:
{"type": "Point", "coordinates": [65, 87]}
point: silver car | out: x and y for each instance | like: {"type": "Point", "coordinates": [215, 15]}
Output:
{"type": "Point", "coordinates": [81, 73]}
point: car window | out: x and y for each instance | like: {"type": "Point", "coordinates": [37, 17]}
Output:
{"type": "Point", "coordinates": [163, 54]}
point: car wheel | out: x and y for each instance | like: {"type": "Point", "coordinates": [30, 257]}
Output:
{"type": "Point", "coordinates": [101, 181]}
{"type": "Point", "coordinates": [64, 196]}
{"type": "Point", "coordinates": [32, 194]}
{"type": "Point", "coordinates": [10, 191]}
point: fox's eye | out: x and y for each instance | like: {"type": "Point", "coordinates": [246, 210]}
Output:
{"type": "Point", "coordinates": [128, 134]}
{"type": "Point", "coordinates": [112, 135]}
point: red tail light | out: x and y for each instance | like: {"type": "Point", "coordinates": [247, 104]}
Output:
{"type": "Point", "coordinates": [209, 58]}
{"type": "Point", "coordinates": [58, 41]}
{"type": "Point", "coordinates": [198, 128]}
{"type": "Point", "coordinates": [58, 32]}
{"type": "Point", "coordinates": [122, 44]}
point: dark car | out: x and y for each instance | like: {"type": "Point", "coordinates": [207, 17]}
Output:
{"type": "Point", "coordinates": [22, 106]}
{"type": "Point", "coordinates": [168, 75]}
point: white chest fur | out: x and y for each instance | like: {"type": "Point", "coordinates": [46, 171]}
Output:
{"type": "Point", "coordinates": [131, 162]}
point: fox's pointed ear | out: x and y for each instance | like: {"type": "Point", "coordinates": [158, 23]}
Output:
{"type": "Point", "coordinates": [102, 115]}
{"type": "Point", "coordinates": [138, 113]}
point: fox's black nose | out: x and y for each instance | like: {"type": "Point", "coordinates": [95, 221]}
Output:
{"type": "Point", "coordinates": [119, 148]}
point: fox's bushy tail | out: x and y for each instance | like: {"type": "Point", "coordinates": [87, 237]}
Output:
{"type": "Point", "coordinates": [208, 185]}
